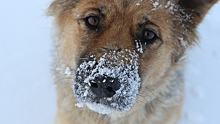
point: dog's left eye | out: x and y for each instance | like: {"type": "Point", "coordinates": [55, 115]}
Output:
{"type": "Point", "coordinates": [92, 22]}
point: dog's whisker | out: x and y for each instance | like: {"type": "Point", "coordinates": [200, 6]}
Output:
{"type": "Point", "coordinates": [61, 80]}
{"type": "Point", "coordinates": [141, 95]}
{"type": "Point", "coordinates": [68, 96]}
{"type": "Point", "coordinates": [139, 101]}
{"type": "Point", "coordinates": [84, 58]}
{"type": "Point", "coordinates": [151, 107]}
{"type": "Point", "coordinates": [153, 98]}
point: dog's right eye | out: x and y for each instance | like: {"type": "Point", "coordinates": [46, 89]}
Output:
{"type": "Point", "coordinates": [92, 22]}
{"type": "Point", "coordinates": [149, 36]}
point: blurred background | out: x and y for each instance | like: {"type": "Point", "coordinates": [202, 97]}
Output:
{"type": "Point", "coordinates": [27, 93]}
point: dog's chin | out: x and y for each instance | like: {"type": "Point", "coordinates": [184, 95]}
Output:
{"type": "Point", "coordinates": [119, 102]}
{"type": "Point", "coordinates": [100, 108]}
{"type": "Point", "coordinates": [122, 101]}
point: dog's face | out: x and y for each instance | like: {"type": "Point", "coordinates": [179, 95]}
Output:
{"type": "Point", "coordinates": [120, 48]}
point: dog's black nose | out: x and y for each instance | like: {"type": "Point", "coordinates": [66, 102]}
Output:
{"type": "Point", "coordinates": [105, 86]}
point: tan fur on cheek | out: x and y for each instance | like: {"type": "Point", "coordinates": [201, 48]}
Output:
{"type": "Point", "coordinates": [69, 43]}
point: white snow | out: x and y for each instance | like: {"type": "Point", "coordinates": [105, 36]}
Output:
{"type": "Point", "coordinates": [80, 105]}
{"type": "Point", "coordinates": [26, 84]}
{"type": "Point", "coordinates": [139, 46]}
{"type": "Point", "coordinates": [100, 108]}
{"type": "Point", "coordinates": [156, 4]}
{"type": "Point", "coordinates": [183, 43]}
{"type": "Point", "coordinates": [138, 4]}
{"type": "Point", "coordinates": [67, 71]}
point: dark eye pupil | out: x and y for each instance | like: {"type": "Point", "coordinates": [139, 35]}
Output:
{"type": "Point", "coordinates": [148, 35]}
{"type": "Point", "coordinates": [93, 21]}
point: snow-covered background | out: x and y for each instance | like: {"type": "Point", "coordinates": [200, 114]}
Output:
{"type": "Point", "coordinates": [27, 94]}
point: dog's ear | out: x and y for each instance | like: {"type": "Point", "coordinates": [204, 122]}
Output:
{"type": "Point", "coordinates": [198, 8]}
{"type": "Point", "coordinates": [191, 13]}
{"type": "Point", "coordinates": [57, 7]}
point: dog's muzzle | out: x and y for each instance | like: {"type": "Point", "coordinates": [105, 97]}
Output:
{"type": "Point", "coordinates": [113, 81]}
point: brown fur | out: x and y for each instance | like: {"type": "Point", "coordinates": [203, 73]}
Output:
{"type": "Point", "coordinates": [161, 94]}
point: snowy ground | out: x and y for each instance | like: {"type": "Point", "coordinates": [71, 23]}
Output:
{"type": "Point", "coordinates": [26, 90]}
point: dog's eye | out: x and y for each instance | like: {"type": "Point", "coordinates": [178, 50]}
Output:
{"type": "Point", "coordinates": [93, 20]}
{"type": "Point", "coordinates": [149, 36]}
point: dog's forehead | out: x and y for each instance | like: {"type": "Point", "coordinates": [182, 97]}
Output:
{"type": "Point", "coordinates": [122, 10]}
{"type": "Point", "coordinates": [126, 6]}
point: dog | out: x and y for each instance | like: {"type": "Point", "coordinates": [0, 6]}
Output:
{"type": "Point", "coordinates": [122, 61]}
